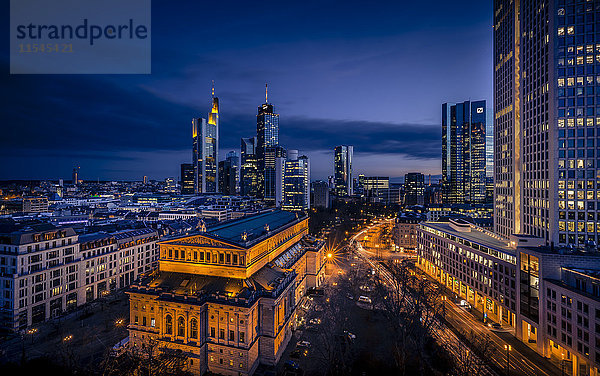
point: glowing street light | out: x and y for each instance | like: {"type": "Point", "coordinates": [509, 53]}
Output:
{"type": "Point", "coordinates": [68, 338]}
{"type": "Point", "coordinates": [507, 348]}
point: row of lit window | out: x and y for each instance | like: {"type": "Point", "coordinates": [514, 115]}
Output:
{"type": "Point", "coordinates": [581, 226]}
{"type": "Point", "coordinates": [580, 80]}
{"type": "Point", "coordinates": [581, 195]}
{"type": "Point", "coordinates": [571, 205]}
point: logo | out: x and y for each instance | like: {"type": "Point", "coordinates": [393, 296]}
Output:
{"type": "Point", "coordinates": [80, 37]}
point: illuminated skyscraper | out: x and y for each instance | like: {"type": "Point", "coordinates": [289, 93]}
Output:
{"type": "Point", "coordinates": [463, 152]}
{"type": "Point", "coordinates": [293, 182]}
{"type": "Point", "coordinates": [342, 170]}
{"type": "Point", "coordinates": [206, 149]}
{"type": "Point", "coordinates": [249, 167]}
{"type": "Point", "coordinates": [75, 179]}
{"type": "Point", "coordinates": [228, 170]}
{"type": "Point", "coordinates": [267, 149]}
{"type": "Point", "coordinates": [547, 119]}
{"type": "Point", "coordinates": [414, 188]}
{"type": "Point", "coordinates": [187, 179]}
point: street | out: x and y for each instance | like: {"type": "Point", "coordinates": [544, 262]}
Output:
{"type": "Point", "coordinates": [521, 360]}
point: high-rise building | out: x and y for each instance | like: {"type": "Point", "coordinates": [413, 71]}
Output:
{"type": "Point", "coordinates": [463, 152]}
{"type": "Point", "coordinates": [187, 179]}
{"type": "Point", "coordinates": [75, 178]}
{"type": "Point", "coordinates": [342, 170]}
{"type": "Point", "coordinates": [547, 118]}
{"type": "Point", "coordinates": [267, 148]}
{"type": "Point", "coordinates": [272, 153]}
{"type": "Point", "coordinates": [170, 185]}
{"type": "Point", "coordinates": [145, 180]}
{"type": "Point", "coordinates": [320, 194]}
{"type": "Point", "coordinates": [206, 149]}
{"type": "Point", "coordinates": [227, 174]}
{"type": "Point", "coordinates": [249, 168]}
{"type": "Point", "coordinates": [375, 186]}
{"type": "Point", "coordinates": [414, 188]}
{"type": "Point", "coordinates": [293, 181]}
{"type": "Point", "coordinates": [235, 163]}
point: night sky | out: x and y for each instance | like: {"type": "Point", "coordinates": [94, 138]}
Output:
{"type": "Point", "coordinates": [369, 74]}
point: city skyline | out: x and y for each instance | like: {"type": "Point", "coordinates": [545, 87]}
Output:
{"type": "Point", "coordinates": [323, 94]}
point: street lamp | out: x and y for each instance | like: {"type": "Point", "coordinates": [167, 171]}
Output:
{"type": "Point", "coordinates": [507, 348]}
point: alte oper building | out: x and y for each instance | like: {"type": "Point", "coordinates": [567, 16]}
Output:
{"type": "Point", "coordinates": [226, 298]}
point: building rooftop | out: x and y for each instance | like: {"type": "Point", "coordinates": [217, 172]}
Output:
{"type": "Point", "coordinates": [253, 226]}
{"type": "Point", "coordinates": [476, 235]}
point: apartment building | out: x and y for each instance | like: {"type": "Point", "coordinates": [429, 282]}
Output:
{"type": "Point", "coordinates": [46, 270]}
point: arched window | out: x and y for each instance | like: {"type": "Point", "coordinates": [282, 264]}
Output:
{"type": "Point", "coordinates": [168, 324]}
{"type": "Point", "coordinates": [194, 328]}
{"type": "Point", "coordinates": [180, 327]}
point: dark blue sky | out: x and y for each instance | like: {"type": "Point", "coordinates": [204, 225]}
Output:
{"type": "Point", "coordinates": [371, 74]}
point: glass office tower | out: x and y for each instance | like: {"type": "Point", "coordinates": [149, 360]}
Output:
{"type": "Point", "coordinates": [463, 152]}
{"type": "Point", "coordinates": [342, 170]}
{"type": "Point", "coordinates": [547, 117]}
{"type": "Point", "coordinates": [249, 167]}
{"type": "Point", "coordinates": [267, 149]}
{"type": "Point", "coordinates": [206, 150]}
{"type": "Point", "coordinates": [187, 179]}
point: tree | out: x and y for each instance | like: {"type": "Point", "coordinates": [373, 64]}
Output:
{"type": "Point", "coordinates": [471, 360]}
{"type": "Point", "coordinates": [410, 305]}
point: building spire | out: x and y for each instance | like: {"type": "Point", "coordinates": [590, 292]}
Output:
{"type": "Point", "coordinates": [213, 88]}
{"type": "Point", "coordinates": [266, 93]}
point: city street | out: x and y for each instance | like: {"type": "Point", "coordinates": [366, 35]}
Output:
{"type": "Point", "coordinates": [521, 360]}
{"type": "Point", "coordinates": [82, 337]}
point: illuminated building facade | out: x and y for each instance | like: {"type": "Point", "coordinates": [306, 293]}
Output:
{"type": "Point", "coordinates": [375, 186]}
{"type": "Point", "coordinates": [342, 170]}
{"type": "Point", "coordinates": [293, 182]}
{"type": "Point", "coordinates": [46, 270]}
{"type": "Point", "coordinates": [206, 150]}
{"type": "Point", "coordinates": [463, 152]}
{"type": "Point", "coordinates": [548, 297]}
{"type": "Point", "coordinates": [414, 189]}
{"type": "Point", "coordinates": [249, 168]}
{"type": "Point", "coordinates": [267, 149]}
{"type": "Point", "coordinates": [187, 179]}
{"type": "Point", "coordinates": [546, 120]}
{"type": "Point", "coordinates": [227, 298]}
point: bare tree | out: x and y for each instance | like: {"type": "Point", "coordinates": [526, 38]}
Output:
{"type": "Point", "coordinates": [410, 305]}
{"type": "Point", "coordinates": [333, 346]}
{"type": "Point", "coordinates": [472, 360]}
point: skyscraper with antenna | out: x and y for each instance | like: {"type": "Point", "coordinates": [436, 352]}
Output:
{"type": "Point", "coordinates": [267, 148]}
{"type": "Point", "coordinates": [205, 135]}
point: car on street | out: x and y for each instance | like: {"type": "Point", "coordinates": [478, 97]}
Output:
{"type": "Point", "coordinates": [303, 344]}
{"type": "Point", "coordinates": [298, 353]}
{"type": "Point", "coordinates": [290, 364]}
{"type": "Point", "coordinates": [350, 336]}
{"type": "Point", "coordinates": [315, 321]}
{"type": "Point", "coordinates": [364, 299]}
